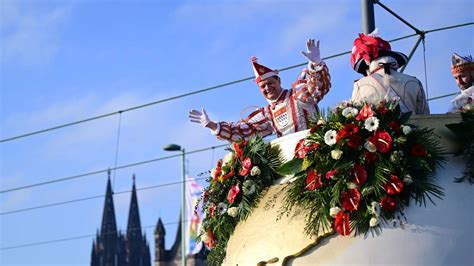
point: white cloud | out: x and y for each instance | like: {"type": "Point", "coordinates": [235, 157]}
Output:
{"type": "Point", "coordinates": [31, 39]}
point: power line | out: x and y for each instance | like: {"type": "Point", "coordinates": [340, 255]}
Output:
{"type": "Point", "coordinates": [92, 197]}
{"type": "Point", "coordinates": [104, 170]}
{"type": "Point", "coordinates": [77, 237]}
{"type": "Point", "coordinates": [200, 91]}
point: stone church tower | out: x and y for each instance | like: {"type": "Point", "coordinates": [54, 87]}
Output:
{"type": "Point", "coordinates": [111, 247]}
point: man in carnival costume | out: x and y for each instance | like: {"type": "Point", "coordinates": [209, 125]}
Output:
{"type": "Point", "coordinates": [288, 111]}
{"type": "Point", "coordinates": [373, 57]}
{"type": "Point", "coordinates": [463, 72]}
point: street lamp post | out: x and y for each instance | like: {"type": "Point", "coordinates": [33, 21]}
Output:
{"type": "Point", "coordinates": [174, 147]}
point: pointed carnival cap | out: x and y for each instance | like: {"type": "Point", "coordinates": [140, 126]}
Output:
{"type": "Point", "coordinates": [370, 47]}
{"type": "Point", "coordinates": [262, 72]}
{"type": "Point", "coordinates": [461, 64]}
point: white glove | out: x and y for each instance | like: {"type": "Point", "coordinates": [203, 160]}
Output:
{"type": "Point", "coordinates": [199, 117]}
{"type": "Point", "coordinates": [312, 53]}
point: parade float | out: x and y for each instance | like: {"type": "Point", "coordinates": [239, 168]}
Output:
{"type": "Point", "coordinates": [396, 202]}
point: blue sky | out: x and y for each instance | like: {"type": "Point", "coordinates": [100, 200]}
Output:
{"type": "Point", "coordinates": [63, 61]}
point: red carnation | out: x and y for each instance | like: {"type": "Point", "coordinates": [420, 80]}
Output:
{"type": "Point", "coordinates": [313, 180]}
{"type": "Point", "coordinates": [348, 130]}
{"type": "Point", "coordinates": [418, 150]}
{"type": "Point", "coordinates": [341, 223]}
{"type": "Point", "coordinates": [350, 199]}
{"type": "Point", "coordinates": [246, 166]}
{"type": "Point", "coordinates": [388, 203]}
{"type": "Point", "coordinates": [360, 174]}
{"type": "Point", "coordinates": [381, 109]}
{"type": "Point", "coordinates": [394, 186]}
{"type": "Point", "coordinates": [233, 192]}
{"type": "Point", "coordinates": [365, 113]}
{"type": "Point", "coordinates": [331, 173]}
{"type": "Point", "coordinates": [382, 140]}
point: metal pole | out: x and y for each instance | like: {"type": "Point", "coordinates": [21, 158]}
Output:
{"type": "Point", "coordinates": [412, 52]}
{"type": "Point", "coordinates": [368, 19]}
{"type": "Point", "coordinates": [183, 210]}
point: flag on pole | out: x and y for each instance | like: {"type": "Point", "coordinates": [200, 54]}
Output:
{"type": "Point", "coordinates": [193, 219]}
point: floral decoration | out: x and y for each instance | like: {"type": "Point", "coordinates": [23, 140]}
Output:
{"type": "Point", "coordinates": [234, 189]}
{"type": "Point", "coordinates": [356, 169]}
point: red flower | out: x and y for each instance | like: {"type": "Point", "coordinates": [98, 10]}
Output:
{"type": "Point", "coordinates": [228, 175]}
{"type": "Point", "coordinates": [388, 204]}
{"type": "Point", "coordinates": [348, 130]}
{"type": "Point", "coordinates": [238, 151]}
{"type": "Point", "coordinates": [331, 173]}
{"type": "Point", "coordinates": [395, 127]}
{"type": "Point", "coordinates": [360, 174]}
{"type": "Point", "coordinates": [300, 151]}
{"type": "Point", "coordinates": [212, 210]}
{"type": "Point", "coordinates": [382, 140]}
{"type": "Point", "coordinates": [381, 109]}
{"type": "Point", "coordinates": [370, 157]}
{"type": "Point", "coordinates": [313, 180]}
{"type": "Point", "coordinates": [211, 241]}
{"type": "Point", "coordinates": [418, 150]}
{"type": "Point", "coordinates": [394, 186]}
{"type": "Point", "coordinates": [365, 113]}
{"type": "Point", "coordinates": [341, 224]}
{"type": "Point", "coordinates": [354, 141]}
{"type": "Point", "coordinates": [233, 192]}
{"type": "Point", "coordinates": [246, 166]}
{"type": "Point", "coordinates": [204, 196]}
{"type": "Point", "coordinates": [350, 199]}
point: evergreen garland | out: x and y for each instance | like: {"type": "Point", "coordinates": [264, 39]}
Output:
{"type": "Point", "coordinates": [235, 186]}
{"type": "Point", "coordinates": [359, 167]}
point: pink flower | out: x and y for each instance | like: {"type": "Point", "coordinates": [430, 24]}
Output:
{"type": "Point", "coordinates": [233, 192]}
{"type": "Point", "coordinates": [246, 166]}
{"type": "Point", "coordinates": [365, 113]}
{"type": "Point", "coordinates": [331, 173]}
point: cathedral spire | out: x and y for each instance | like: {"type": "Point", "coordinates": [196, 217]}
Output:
{"type": "Point", "coordinates": [109, 225]}
{"type": "Point", "coordinates": [134, 230]}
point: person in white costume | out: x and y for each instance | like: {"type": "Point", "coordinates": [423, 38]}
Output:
{"type": "Point", "coordinates": [462, 69]}
{"type": "Point", "coordinates": [373, 57]}
{"type": "Point", "coordinates": [288, 111]}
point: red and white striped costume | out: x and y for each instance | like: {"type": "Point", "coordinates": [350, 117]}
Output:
{"type": "Point", "coordinates": [288, 114]}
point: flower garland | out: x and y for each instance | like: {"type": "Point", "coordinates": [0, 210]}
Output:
{"type": "Point", "coordinates": [234, 189]}
{"type": "Point", "coordinates": [359, 167]}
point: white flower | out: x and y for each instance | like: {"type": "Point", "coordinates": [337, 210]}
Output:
{"type": "Point", "coordinates": [221, 208]}
{"type": "Point", "coordinates": [248, 187]}
{"type": "Point", "coordinates": [334, 211]}
{"type": "Point", "coordinates": [406, 129]}
{"type": "Point", "coordinates": [228, 157]}
{"type": "Point", "coordinates": [373, 222]}
{"type": "Point", "coordinates": [349, 111]}
{"type": "Point", "coordinates": [372, 123]}
{"type": "Point", "coordinates": [375, 208]}
{"type": "Point", "coordinates": [351, 185]}
{"type": "Point", "coordinates": [255, 171]}
{"type": "Point", "coordinates": [321, 121]}
{"type": "Point", "coordinates": [233, 211]}
{"type": "Point", "coordinates": [330, 137]}
{"type": "Point", "coordinates": [370, 146]}
{"type": "Point", "coordinates": [408, 180]}
{"type": "Point", "coordinates": [336, 154]}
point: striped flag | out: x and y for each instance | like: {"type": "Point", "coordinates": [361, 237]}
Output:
{"type": "Point", "coordinates": [194, 219]}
